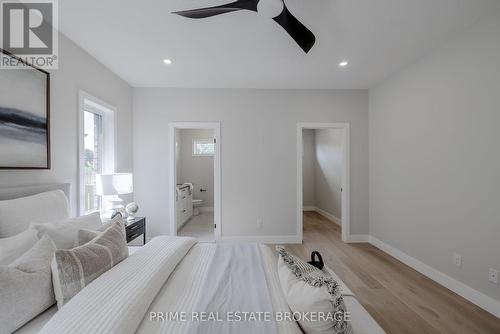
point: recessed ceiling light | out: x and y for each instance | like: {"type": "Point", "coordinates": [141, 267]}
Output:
{"type": "Point", "coordinates": [343, 63]}
{"type": "Point", "coordinates": [167, 61]}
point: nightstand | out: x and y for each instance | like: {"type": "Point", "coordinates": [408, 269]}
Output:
{"type": "Point", "coordinates": [135, 228]}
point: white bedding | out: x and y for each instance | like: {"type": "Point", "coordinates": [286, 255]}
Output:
{"type": "Point", "coordinates": [172, 274]}
{"type": "Point", "coordinates": [236, 283]}
{"type": "Point", "coordinates": [197, 268]}
{"type": "Point", "coordinates": [113, 302]}
{"type": "Point", "coordinates": [117, 301]}
{"type": "Point", "coordinates": [36, 324]}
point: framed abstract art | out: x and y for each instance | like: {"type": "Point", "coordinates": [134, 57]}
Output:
{"type": "Point", "coordinates": [24, 117]}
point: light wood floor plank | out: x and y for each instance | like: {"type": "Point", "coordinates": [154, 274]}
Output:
{"type": "Point", "coordinates": [399, 298]}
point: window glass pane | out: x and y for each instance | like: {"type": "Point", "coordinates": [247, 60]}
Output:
{"type": "Point", "coordinates": [93, 146]}
{"type": "Point", "coordinates": [203, 147]}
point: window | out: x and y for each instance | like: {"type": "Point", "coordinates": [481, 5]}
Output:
{"type": "Point", "coordinates": [93, 145]}
{"type": "Point", "coordinates": [96, 144]}
{"type": "Point", "coordinates": [203, 147]}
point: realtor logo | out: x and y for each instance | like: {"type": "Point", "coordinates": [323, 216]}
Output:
{"type": "Point", "coordinates": [29, 32]}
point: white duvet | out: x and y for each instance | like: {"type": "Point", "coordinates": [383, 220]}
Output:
{"type": "Point", "coordinates": [171, 275]}
{"type": "Point", "coordinates": [117, 301]}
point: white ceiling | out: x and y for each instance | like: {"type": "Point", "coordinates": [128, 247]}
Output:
{"type": "Point", "coordinates": [247, 49]}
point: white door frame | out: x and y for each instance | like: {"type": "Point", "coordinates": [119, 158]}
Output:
{"type": "Point", "coordinates": [215, 126]}
{"type": "Point", "coordinates": [345, 198]}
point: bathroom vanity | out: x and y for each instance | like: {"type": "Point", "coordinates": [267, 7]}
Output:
{"type": "Point", "coordinates": [184, 204]}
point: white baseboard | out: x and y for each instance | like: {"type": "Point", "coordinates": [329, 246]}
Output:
{"type": "Point", "coordinates": [324, 213]}
{"type": "Point", "coordinates": [264, 239]}
{"type": "Point", "coordinates": [329, 216]}
{"type": "Point", "coordinates": [480, 299]}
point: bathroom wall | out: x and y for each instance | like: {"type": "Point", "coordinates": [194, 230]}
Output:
{"type": "Point", "coordinates": [195, 169]}
{"type": "Point", "coordinates": [178, 143]}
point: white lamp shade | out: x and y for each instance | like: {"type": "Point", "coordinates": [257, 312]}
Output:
{"type": "Point", "coordinates": [114, 184]}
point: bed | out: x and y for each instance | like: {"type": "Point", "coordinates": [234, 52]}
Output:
{"type": "Point", "coordinates": [177, 285]}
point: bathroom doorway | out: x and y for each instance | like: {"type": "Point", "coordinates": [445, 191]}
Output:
{"type": "Point", "coordinates": [323, 176]}
{"type": "Point", "coordinates": [195, 180]}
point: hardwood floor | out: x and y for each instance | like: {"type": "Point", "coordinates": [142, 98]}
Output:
{"type": "Point", "coordinates": [399, 298]}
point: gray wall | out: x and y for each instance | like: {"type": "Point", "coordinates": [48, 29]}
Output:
{"type": "Point", "coordinates": [328, 170]}
{"type": "Point", "coordinates": [78, 70]}
{"type": "Point", "coordinates": [258, 138]}
{"type": "Point", "coordinates": [308, 162]}
{"type": "Point", "coordinates": [322, 170]}
{"type": "Point", "coordinates": [435, 158]}
{"type": "Point", "coordinates": [197, 170]}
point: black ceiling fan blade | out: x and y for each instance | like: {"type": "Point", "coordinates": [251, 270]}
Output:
{"type": "Point", "coordinates": [303, 36]}
{"type": "Point", "coordinates": [222, 9]}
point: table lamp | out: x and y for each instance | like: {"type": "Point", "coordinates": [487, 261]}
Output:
{"type": "Point", "coordinates": [113, 185]}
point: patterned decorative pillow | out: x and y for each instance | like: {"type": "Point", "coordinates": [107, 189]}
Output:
{"type": "Point", "coordinates": [73, 269]}
{"type": "Point", "coordinates": [85, 236]}
{"type": "Point", "coordinates": [309, 290]}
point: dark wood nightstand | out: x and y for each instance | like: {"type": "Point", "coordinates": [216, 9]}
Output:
{"type": "Point", "coordinates": [135, 228]}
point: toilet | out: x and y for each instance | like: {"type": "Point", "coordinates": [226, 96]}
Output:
{"type": "Point", "coordinates": [196, 204]}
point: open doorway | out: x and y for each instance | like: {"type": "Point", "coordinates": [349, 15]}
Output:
{"type": "Point", "coordinates": [323, 175]}
{"type": "Point", "coordinates": [195, 181]}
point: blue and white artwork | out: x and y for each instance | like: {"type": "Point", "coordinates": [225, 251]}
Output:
{"type": "Point", "coordinates": [24, 119]}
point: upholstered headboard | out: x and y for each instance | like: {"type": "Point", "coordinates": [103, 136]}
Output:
{"type": "Point", "coordinates": [17, 192]}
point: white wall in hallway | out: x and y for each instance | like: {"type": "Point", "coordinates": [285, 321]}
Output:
{"type": "Point", "coordinates": [322, 170]}
{"type": "Point", "coordinates": [328, 170]}
{"type": "Point", "coordinates": [308, 162]}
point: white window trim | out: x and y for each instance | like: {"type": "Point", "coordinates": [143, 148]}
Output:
{"type": "Point", "coordinates": [209, 140]}
{"type": "Point", "coordinates": [108, 113]}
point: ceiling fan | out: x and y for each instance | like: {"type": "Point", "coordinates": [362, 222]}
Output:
{"type": "Point", "coordinates": [302, 36]}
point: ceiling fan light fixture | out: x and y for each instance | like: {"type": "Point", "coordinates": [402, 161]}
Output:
{"type": "Point", "coordinates": [276, 9]}
{"type": "Point", "coordinates": [167, 61]}
{"type": "Point", "coordinates": [270, 8]}
{"type": "Point", "coordinates": [343, 63]}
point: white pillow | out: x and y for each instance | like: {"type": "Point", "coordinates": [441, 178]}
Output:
{"type": "Point", "coordinates": [17, 214]}
{"type": "Point", "coordinates": [92, 221]}
{"type": "Point", "coordinates": [65, 234]}
{"type": "Point", "coordinates": [309, 290]}
{"type": "Point", "coordinates": [26, 286]}
{"type": "Point", "coordinates": [13, 247]}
